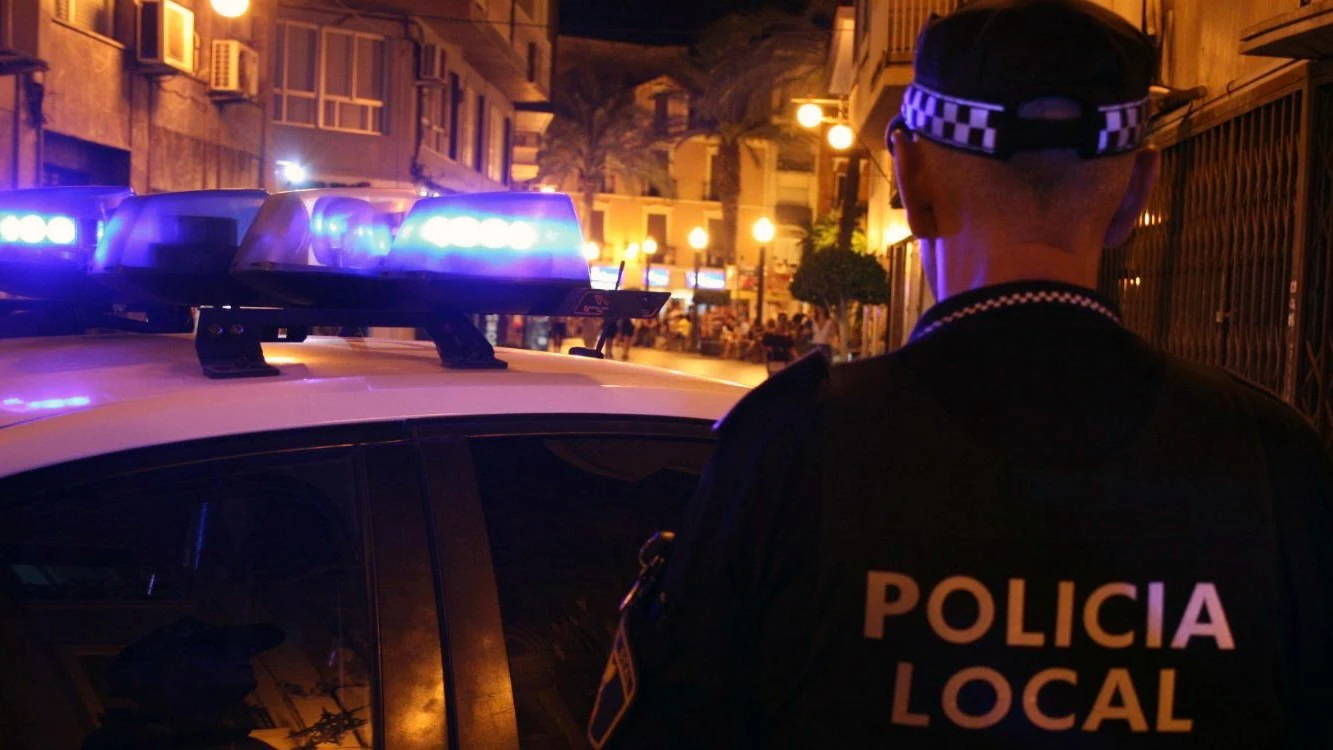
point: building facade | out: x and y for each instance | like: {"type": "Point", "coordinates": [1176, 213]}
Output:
{"type": "Point", "coordinates": [171, 95]}
{"type": "Point", "coordinates": [778, 181]}
{"type": "Point", "coordinates": [1232, 263]}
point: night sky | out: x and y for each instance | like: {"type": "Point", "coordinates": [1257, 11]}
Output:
{"type": "Point", "coordinates": [653, 21]}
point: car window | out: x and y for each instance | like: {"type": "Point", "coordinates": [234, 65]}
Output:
{"type": "Point", "coordinates": [566, 517]}
{"type": "Point", "coordinates": [220, 602]}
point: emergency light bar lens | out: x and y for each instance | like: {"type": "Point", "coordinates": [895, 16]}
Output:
{"type": "Point", "coordinates": [517, 236]}
{"type": "Point", "coordinates": [35, 229]}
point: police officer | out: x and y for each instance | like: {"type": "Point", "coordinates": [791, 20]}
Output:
{"type": "Point", "coordinates": [1025, 529]}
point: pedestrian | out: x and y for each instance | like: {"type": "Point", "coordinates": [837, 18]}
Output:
{"type": "Point", "coordinates": [559, 330]}
{"type": "Point", "coordinates": [626, 337]}
{"type": "Point", "coordinates": [1027, 528]}
{"type": "Point", "coordinates": [823, 332]}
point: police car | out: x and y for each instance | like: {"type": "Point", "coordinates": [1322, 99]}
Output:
{"type": "Point", "coordinates": [216, 528]}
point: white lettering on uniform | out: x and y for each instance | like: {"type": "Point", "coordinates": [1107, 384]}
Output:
{"type": "Point", "coordinates": [878, 606]}
{"type": "Point", "coordinates": [1117, 683]}
{"type": "Point", "coordinates": [1092, 623]}
{"type": "Point", "coordinates": [1204, 597]}
{"type": "Point", "coordinates": [1015, 635]}
{"type": "Point", "coordinates": [1032, 692]}
{"type": "Point", "coordinates": [1004, 698]}
{"type": "Point", "coordinates": [985, 609]}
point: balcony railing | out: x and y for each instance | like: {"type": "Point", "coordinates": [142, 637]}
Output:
{"type": "Point", "coordinates": [906, 17]}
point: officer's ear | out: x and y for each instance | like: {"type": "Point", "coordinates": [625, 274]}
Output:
{"type": "Point", "coordinates": [1147, 165]}
{"type": "Point", "coordinates": [913, 186]}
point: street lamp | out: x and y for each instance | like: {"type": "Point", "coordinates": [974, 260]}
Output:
{"type": "Point", "coordinates": [763, 231]}
{"type": "Point", "coordinates": [231, 8]}
{"type": "Point", "coordinates": [649, 250]}
{"type": "Point", "coordinates": [809, 115]}
{"type": "Point", "coordinates": [591, 251]}
{"type": "Point", "coordinates": [841, 137]}
{"type": "Point", "coordinates": [698, 240]}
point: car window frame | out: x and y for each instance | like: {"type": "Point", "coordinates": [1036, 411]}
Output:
{"type": "Point", "coordinates": [472, 628]}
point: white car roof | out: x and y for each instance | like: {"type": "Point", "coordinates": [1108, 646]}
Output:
{"type": "Point", "coordinates": [66, 398]}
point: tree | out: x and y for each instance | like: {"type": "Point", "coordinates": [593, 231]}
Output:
{"type": "Point", "coordinates": [599, 129]}
{"type": "Point", "coordinates": [823, 235]}
{"type": "Point", "coordinates": [837, 278]}
{"type": "Point", "coordinates": [744, 62]}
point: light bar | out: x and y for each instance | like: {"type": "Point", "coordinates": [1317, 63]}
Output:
{"type": "Point", "coordinates": [47, 236]}
{"type": "Point", "coordinates": [323, 247]}
{"type": "Point", "coordinates": [178, 247]}
{"type": "Point", "coordinates": [509, 236]}
{"type": "Point", "coordinates": [491, 252]}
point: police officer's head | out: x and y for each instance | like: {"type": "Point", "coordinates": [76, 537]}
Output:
{"type": "Point", "coordinates": [1019, 149]}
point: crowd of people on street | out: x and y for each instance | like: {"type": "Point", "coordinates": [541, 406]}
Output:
{"type": "Point", "coordinates": [720, 333]}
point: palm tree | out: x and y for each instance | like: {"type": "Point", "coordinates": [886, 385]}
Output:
{"type": "Point", "coordinates": [599, 129]}
{"type": "Point", "coordinates": [745, 62]}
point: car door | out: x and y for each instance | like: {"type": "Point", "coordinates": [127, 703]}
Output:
{"type": "Point", "coordinates": [272, 591]}
{"type": "Point", "coordinates": [538, 523]}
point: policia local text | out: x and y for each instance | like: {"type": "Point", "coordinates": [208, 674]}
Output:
{"type": "Point", "coordinates": [890, 595]}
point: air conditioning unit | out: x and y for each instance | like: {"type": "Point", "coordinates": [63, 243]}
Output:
{"type": "Point", "coordinates": [432, 68]}
{"type": "Point", "coordinates": [18, 35]}
{"type": "Point", "coordinates": [234, 73]}
{"type": "Point", "coordinates": [166, 36]}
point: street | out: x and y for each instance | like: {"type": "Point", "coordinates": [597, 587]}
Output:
{"type": "Point", "coordinates": [745, 373]}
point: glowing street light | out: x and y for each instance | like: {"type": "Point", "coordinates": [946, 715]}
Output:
{"type": "Point", "coordinates": [698, 238]}
{"type": "Point", "coordinates": [650, 247]}
{"type": "Point", "coordinates": [547, 188]}
{"type": "Point", "coordinates": [809, 115]}
{"type": "Point", "coordinates": [764, 231]}
{"type": "Point", "coordinates": [591, 251]}
{"type": "Point", "coordinates": [840, 137]}
{"type": "Point", "coordinates": [231, 8]}
{"type": "Point", "coordinates": [292, 172]}
{"type": "Point", "coordinates": [632, 251]}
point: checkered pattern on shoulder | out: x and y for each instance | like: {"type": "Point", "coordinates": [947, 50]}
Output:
{"type": "Point", "coordinates": [1019, 299]}
{"type": "Point", "coordinates": [946, 119]}
{"type": "Point", "coordinates": [972, 125]}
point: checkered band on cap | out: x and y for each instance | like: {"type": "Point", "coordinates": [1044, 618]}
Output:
{"type": "Point", "coordinates": [958, 122]}
{"type": "Point", "coordinates": [974, 126]}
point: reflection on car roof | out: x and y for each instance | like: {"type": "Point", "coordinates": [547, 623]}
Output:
{"type": "Point", "coordinates": [65, 398]}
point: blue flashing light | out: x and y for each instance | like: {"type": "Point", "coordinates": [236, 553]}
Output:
{"type": "Point", "coordinates": [340, 229]}
{"type": "Point", "coordinates": [493, 236]}
{"type": "Point", "coordinates": [47, 237]}
{"type": "Point", "coordinates": [190, 232]}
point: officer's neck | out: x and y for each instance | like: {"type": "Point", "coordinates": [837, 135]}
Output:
{"type": "Point", "coordinates": [956, 266]}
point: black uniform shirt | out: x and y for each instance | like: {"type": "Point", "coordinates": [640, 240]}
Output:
{"type": "Point", "coordinates": [1027, 528]}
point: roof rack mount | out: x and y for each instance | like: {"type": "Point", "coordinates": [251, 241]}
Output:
{"type": "Point", "coordinates": [229, 341]}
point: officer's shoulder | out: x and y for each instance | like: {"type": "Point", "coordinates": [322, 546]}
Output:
{"type": "Point", "coordinates": [784, 393]}
{"type": "Point", "coordinates": [1272, 413]}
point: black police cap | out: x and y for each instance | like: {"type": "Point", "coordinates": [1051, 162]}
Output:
{"type": "Point", "coordinates": [977, 66]}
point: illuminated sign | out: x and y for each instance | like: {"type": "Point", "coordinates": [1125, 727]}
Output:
{"type": "Point", "coordinates": [603, 277]}
{"type": "Point", "coordinates": [709, 278]}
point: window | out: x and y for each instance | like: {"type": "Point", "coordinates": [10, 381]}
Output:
{"type": "Point", "coordinates": [455, 104]}
{"type": "Point", "coordinates": [713, 174]}
{"type": "Point", "coordinates": [533, 62]}
{"type": "Point", "coordinates": [348, 95]}
{"type": "Point", "coordinates": [479, 134]}
{"type": "Point", "coordinates": [495, 147]}
{"type": "Point", "coordinates": [507, 152]}
{"type": "Point", "coordinates": [663, 159]}
{"type": "Point", "coordinates": [657, 229]}
{"type": "Point", "coordinates": [353, 95]}
{"type": "Point", "coordinates": [97, 16]}
{"type": "Point", "coordinates": [437, 116]}
{"type": "Point", "coordinates": [662, 114]}
{"type": "Point", "coordinates": [117, 594]}
{"type": "Point", "coordinates": [559, 592]}
{"type": "Point", "coordinates": [715, 236]}
{"type": "Point", "coordinates": [295, 63]}
{"type": "Point", "coordinates": [598, 229]}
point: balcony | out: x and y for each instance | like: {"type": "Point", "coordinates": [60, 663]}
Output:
{"type": "Point", "coordinates": [883, 74]}
{"type": "Point", "coordinates": [1303, 34]}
